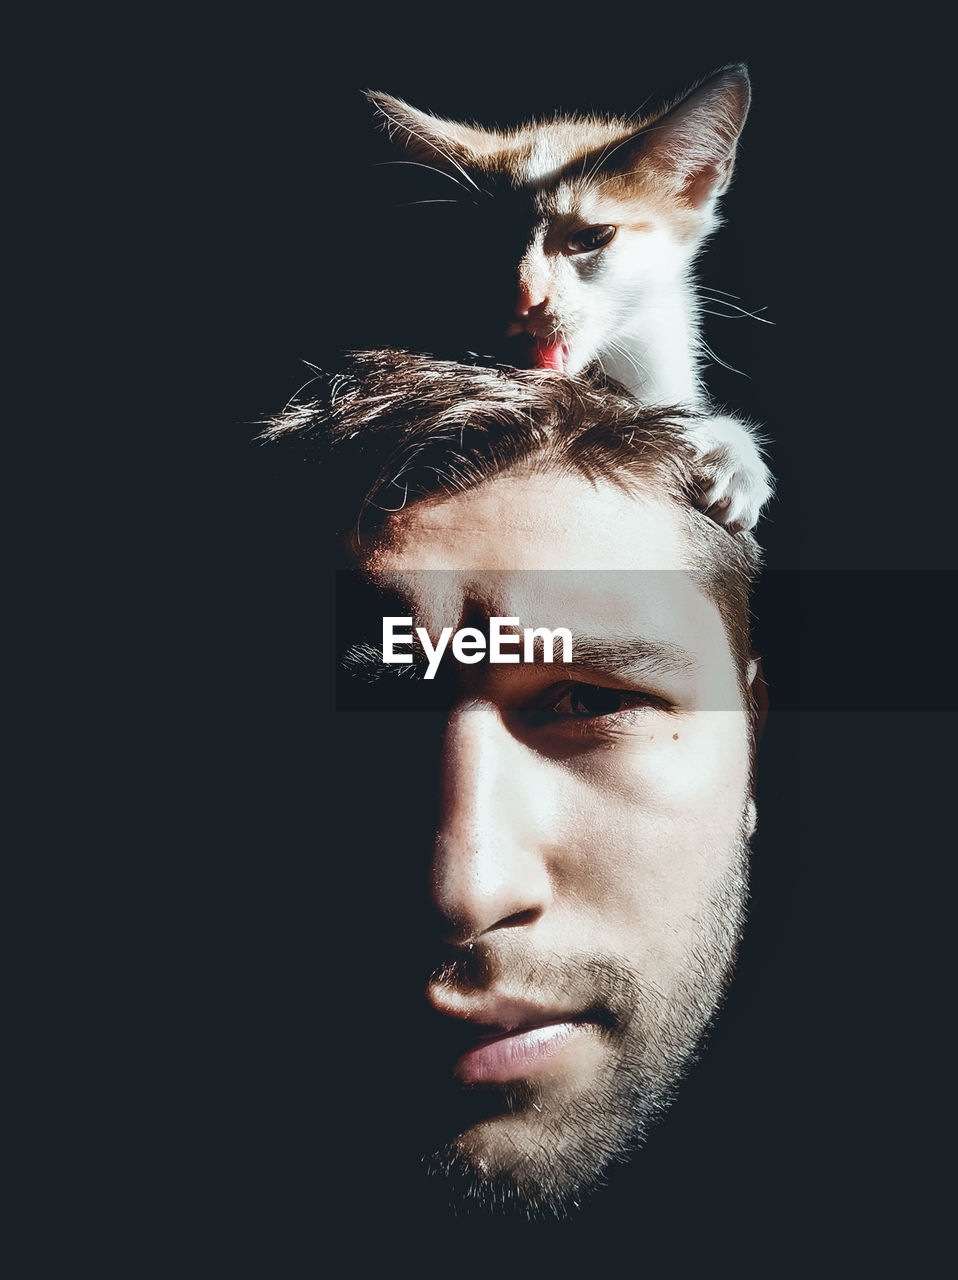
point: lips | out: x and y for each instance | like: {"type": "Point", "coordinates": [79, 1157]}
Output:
{"type": "Point", "coordinates": [500, 1039]}
{"type": "Point", "coordinates": [513, 1055]}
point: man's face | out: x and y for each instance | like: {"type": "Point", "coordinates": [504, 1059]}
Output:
{"type": "Point", "coordinates": [588, 869]}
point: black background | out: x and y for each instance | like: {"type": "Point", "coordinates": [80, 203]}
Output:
{"type": "Point", "coordinates": [803, 1142]}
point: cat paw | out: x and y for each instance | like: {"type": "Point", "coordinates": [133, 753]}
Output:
{"type": "Point", "coordinates": [733, 481]}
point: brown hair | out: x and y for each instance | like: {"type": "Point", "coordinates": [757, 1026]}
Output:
{"type": "Point", "coordinates": [394, 428]}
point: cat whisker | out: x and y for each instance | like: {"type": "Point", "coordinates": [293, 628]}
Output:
{"type": "Point", "coordinates": [639, 108]}
{"type": "Point", "coordinates": [605, 155]}
{"type": "Point", "coordinates": [416, 164]}
{"type": "Point", "coordinates": [629, 357]}
{"type": "Point", "coordinates": [408, 204]}
{"type": "Point", "coordinates": [639, 133]}
{"type": "Point", "coordinates": [743, 312]}
{"type": "Point", "coordinates": [630, 117]}
{"type": "Point", "coordinates": [617, 177]}
{"type": "Point", "coordinates": [743, 315]}
{"type": "Point", "coordinates": [445, 154]}
{"type": "Point", "coordinates": [718, 359]}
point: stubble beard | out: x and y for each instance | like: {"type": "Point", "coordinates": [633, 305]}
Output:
{"type": "Point", "coordinates": [531, 1155]}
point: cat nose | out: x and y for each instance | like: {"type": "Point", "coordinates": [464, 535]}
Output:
{"type": "Point", "coordinates": [530, 300]}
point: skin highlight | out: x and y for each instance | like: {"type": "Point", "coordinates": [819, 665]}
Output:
{"type": "Point", "coordinates": [588, 873]}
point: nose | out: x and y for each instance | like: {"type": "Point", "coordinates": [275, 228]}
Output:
{"type": "Point", "coordinates": [531, 297]}
{"type": "Point", "coordinates": [489, 871]}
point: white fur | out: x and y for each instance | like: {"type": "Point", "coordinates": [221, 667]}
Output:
{"type": "Point", "coordinates": [642, 327]}
{"type": "Point", "coordinates": [543, 161]}
{"type": "Point", "coordinates": [636, 312]}
{"type": "Point", "coordinates": [736, 483]}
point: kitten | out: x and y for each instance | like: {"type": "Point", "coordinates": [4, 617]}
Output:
{"type": "Point", "coordinates": [611, 215]}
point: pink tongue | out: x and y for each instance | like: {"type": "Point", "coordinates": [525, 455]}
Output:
{"type": "Point", "coordinates": [549, 355]}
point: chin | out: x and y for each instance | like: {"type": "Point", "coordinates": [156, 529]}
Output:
{"type": "Point", "coordinates": [506, 1174]}
{"type": "Point", "coordinates": [539, 1161]}
{"type": "Point", "coordinates": [577, 362]}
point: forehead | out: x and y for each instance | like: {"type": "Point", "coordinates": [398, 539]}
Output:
{"type": "Point", "coordinates": [536, 521]}
{"type": "Point", "coordinates": [552, 550]}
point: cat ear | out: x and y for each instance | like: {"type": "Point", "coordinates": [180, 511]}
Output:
{"type": "Point", "coordinates": [695, 140]}
{"type": "Point", "coordinates": [425, 138]}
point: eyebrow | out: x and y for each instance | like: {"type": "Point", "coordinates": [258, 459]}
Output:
{"type": "Point", "coordinates": [629, 657]}
{"type": "Point", "coordinates": [365, 661]}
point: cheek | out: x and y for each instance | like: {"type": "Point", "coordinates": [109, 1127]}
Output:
{"type": "Point", "coordinates": [689, 769]}
{"type": "Point", "coordinates": [567, 285]}
{"type": "Point", "coordinates": [581, 279]}
{"type": "Point", "coordinates": [627, 266]}
{"type": "Point", "coordinates": [608, 291]}
{"type": "Point", "coordinates": [649, 828]}
{"type": "Point", "coordinates": [653, 255]}
{"type": "Point", "coordinates": [587, 304]}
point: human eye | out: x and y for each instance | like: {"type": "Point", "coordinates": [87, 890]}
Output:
{"type": "Point", "coordinates": [580, 706]}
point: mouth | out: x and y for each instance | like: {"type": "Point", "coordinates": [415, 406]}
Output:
{"type": "Point", "coordinates": [495, 1038]}
{"type": "Point", "coordinates": [503, 1055]}
{"type": "Point", "coordinates": [540, 353]}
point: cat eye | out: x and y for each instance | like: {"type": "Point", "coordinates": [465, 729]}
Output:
{"type": "Point", "coordinates": [590, 238]}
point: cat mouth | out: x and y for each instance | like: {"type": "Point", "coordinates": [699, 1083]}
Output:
{"type": "Point", "coordinates": [540, 353]}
